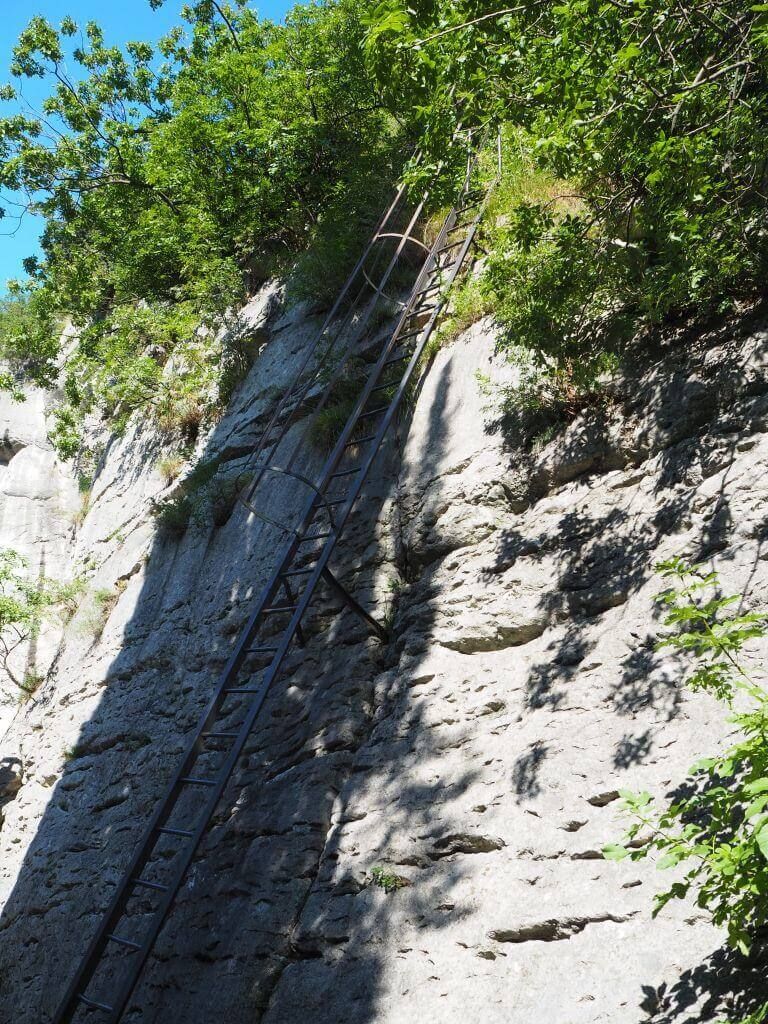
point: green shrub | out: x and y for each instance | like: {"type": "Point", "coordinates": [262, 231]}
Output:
{"type": "Point", "coordinates": [29, 686]}
{"type": "Point", "coordinates": [169, 467]}
{"type": "Point", "coordinates": [256, 143]}
{"type": "Point", "coordinates": [470, 301]}
{"type": "Point", "coordinates": [207, 495]}
{"type": "Point", "coordinates": [329, 423]}
{"type": "Point", "coordinates": [332, 418]}
{"type": "Point", "coordinates": [758, 1017]}
{"type": "Point", "coordinates": [98, 608]}
{"type": "Point", "coordinates": [344, 228]}
{"type": "Point", "coordinates": [717, 827]}
{"type": "Point", "coordinates": [25, 603]}
{"type": "Point", "coordinates": [173, 516]}
{"type": "Point", "coordinates": [653, 117]}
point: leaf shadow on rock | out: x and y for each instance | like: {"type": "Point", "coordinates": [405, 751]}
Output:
{"type": "Point", "coordinates": [526, 769]}
{"type": "Point", "coordinates": [725, 986]}
{"type": "Point", "coordinates": [692, 420]}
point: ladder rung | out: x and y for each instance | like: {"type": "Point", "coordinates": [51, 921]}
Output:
{"type": "Point", "coordinates": [451, 245]}
{"type": "Point", "coordinates": [240, 689]}
{"type": "Point", "coordinates": [425, 291]}
{"type": "Point", "coordinates": [157, 886]}
{"type": "Point", "coordinates": [182, 832]}
{"type": "Point", "coordinates": [379, 387]}
{"type": "Point", "coordinates": [192, 780]}
{"type": "Point", "coordinates": [220, 736]}
{"type": "Point", "coordinates": [292, 572]}
{"type": "Point", "coordinates": [335, 501]}
{"type": "Point", "coordinates": [263, 650]}
{"type": "Point", "coordinates": [123, 942]}
{"type": "Point", "coordinates": [461, 225]}
{"type": "Point", "coordinates": [410, 334]}
{"type": "Point", "coordinates": [425, 309]}
{"type": "Point", "coordinates": [397, 359]}
{"type": "Point", "coordinates": [93, 1004]}
{"type": "Point", "coordinates": [279, 609]}
{"type": "Point", "coordinates": [373, 412]}
{"type": "Point", "coordinates": [315, 536]}
{"type": "Point", "coordinates": [360, 440]}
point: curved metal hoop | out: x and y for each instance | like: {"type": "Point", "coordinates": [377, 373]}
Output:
{"type": "Point", "coordinates": [408, 238]}
{"type": "Point", "coordinates": [402, 237]}
{"type": "Point", "coordinates": [295, 476]}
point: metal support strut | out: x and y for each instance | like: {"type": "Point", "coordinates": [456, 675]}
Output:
{"type": "Point", "coordinates": [375, 627]}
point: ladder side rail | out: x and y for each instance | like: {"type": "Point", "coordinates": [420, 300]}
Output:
{"type": "Point", "coordinates": [430, 265]}
{"type": "Point", "coordinates": [343, 440]}
{"type": "Point", "coordinates": [339, 362]}
{"type": "Point", "coordinates": [301, 441]}
{"type": "Point", "coordinates": [164, 808]}
{"type": "Point", "coordinates": [223, 776]}
{"type": "Point", "coordinates": [400, 194]}
{"type": "Point", "coordinates": [165, 805]}
{"type": "Point", "coordinates": [407, 311]}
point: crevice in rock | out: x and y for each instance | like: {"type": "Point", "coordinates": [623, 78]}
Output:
{"type": "Point", "coordinates": [602, 799]}
{"type": "Point", "coordinates": [7, 452]}
{"type": "Point", "coordinates": [463, 842]}
{"type": "Point", "coordinates": [555, 929]}
{"type": "Point", "coordinates": [11, 781]}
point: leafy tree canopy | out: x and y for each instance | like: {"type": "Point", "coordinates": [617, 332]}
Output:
{"type": "Point", "coordinates": [655, 114]}
{"type": "Point", "coordinates": [636, 164]}
{"type": "Point", "coordinates": [170, 181]}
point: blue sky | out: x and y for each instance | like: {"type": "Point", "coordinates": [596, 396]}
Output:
{"type": "Point", "coordinates": [122, 20]}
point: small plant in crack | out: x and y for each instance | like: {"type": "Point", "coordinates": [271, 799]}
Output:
{"type": "Point", "coordinates": [74, 752]}
{"type": "Point", "coordinates": [387, 880]}
{"type": "Point", "coordinates": [394, 587]}
{"type": "Point", "coordinates": [29, 686]}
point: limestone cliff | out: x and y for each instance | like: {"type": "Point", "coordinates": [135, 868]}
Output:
{"type": "Point", "coordinates": [38, 503]}
{"type": "Point", "coordinates": [477, 757]}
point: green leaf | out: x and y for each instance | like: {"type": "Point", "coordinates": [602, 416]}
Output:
{"type": "Point", "coordinates": [756, 806]}
{"type": "Point", "coordinates": [762, 841]}
{"type": "Point", "coordinates": [669, 860]}
{"type": "Point", "coordinates": [615, 851]}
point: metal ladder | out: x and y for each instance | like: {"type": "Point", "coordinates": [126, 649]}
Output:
{"type": "Point", "coordinates": [112, 965]}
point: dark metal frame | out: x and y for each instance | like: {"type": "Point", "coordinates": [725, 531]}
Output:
{"type": "Point", "coordinates": [305, 559]}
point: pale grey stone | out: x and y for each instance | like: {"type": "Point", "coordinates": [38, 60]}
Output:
{"type": "Point", "coordinates": [477, 758]}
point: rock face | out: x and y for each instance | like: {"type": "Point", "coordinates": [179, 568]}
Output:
{"type": "Point", "coordinates": [470, 767]}
{"type": "Point", "coordinates": [38, 498]}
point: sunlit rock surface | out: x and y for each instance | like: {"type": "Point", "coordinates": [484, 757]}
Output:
{"type": "Point", "coordinates": [476, 759]}
{"type": "Point", "coordinates": [38, 499]}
